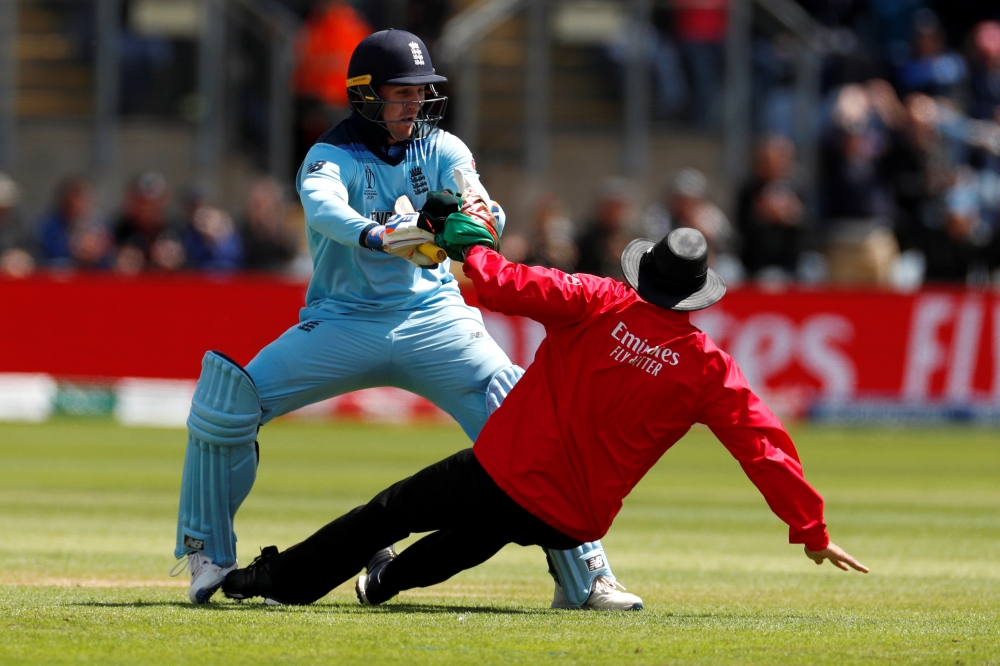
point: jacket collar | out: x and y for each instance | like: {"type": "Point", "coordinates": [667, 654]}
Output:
{"type": "Point", "coordinates": [376, 140]}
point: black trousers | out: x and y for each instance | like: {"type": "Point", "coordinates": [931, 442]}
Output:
{"type": "Point", "coordinates": [469, 516]}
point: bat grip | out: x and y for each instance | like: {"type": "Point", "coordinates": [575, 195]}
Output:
{"type": "Point", "coordinates": [433, 251]}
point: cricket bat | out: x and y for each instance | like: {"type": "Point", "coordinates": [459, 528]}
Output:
{"type": "Point", "coordinates": [435, 253]}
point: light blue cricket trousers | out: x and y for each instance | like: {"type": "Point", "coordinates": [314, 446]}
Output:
{"type": "Point", "coordinates": [442, 353]}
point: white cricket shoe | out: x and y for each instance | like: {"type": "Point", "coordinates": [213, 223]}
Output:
{"type": "Point", "coordinates": [604, 595]}
{"type": "Point", "coordinates": [206, 577]}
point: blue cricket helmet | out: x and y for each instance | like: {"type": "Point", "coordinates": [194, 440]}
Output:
{"type": "Point", "coordinates": [393, 58]}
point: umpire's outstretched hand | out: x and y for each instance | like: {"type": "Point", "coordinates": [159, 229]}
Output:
{"type": "Point", "coordinates": [837, 556]}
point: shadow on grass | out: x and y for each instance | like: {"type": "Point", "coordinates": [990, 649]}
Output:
{"type": "Point", "coordinates": [431, 608]}
{"type": "Point", "coordinates": [344, 608]}
{"type": "Point", "coordinates": [156, 604]}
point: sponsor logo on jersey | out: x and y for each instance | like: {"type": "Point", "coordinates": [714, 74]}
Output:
{"type": "Point", "coordinates": [315, 166]}
{"type": "Point", "coordinates": [418, 181]}
{"type": "Point", "coordinates": [381, 216]}
{"type": "Point", "coordinates": [638, 353]}
{"type": "Point", "coordinates": [191, 542]}
{"type": "Point", "coordinates": [370, 191]}
{"type": "Point", "coordinates": [418, 55]}
{"type": "Point", "coordinates": [308, 326]}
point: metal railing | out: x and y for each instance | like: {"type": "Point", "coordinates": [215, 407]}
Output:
{"type": "Point", "coordinates": [738, 107]}
{"type": "Point", "coordinates": [274, 22]}
{"type": "Point", "coordinates": [458, 51]}
{"type": "Point", "coordinates": [280, 26]}
{"type": "Point", "coordinates": [8, 82]}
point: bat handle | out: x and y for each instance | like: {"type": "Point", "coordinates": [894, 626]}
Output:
{"type": "Point", "coordinates": [433, 251]}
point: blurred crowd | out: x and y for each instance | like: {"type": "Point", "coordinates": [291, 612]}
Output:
{"type": "Point", "coordinates": [905, 188]}
{"type": "Point", "coordinates": [152, 230]}
{"type": "Point", "coordinates": [906, 185]}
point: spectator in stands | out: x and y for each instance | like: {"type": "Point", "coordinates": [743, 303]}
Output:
{"type": "Point", "coordinates": [921, 172]}
{"type": "Point", "coordinates": [605, 238]}
{"type": "Point", "coordinates": [72, 234]}
{"type": "Point", "coordinates": [268, 242]}
{"type": "Point", "coordinates": [854, 173]}
{"type": "Point", "coordinates": [551, 243]}
{"type": "Point", "coordinates": [956, 250]}
{"type": "Point", "coordinates": [143, 235]}
{"type": "Point", "coordinates": [931, 69]}
{"type": "Point", "coordinates": [15, 242]}
{"type": "Point", "coordinates": [700, 27]}
{"type": "Point", "coordinates": [770, 211]}
{"type": "Point", "coordinates": [211, 242]}
{"type": "Point", "coordinates": [324, 47]}
{"type": "Point", "coordinates": [985, 79]}
{"type": "Point", "coordinates": [656, 43]}
{"type": "Point", "coordinates": [689, 206]}
{"type": "Point", "coordinates": [858, 199]}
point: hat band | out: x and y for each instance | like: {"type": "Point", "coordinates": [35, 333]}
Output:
{"type": "Point", "coordinates": [669, 285]}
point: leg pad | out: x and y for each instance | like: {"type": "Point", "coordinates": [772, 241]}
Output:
{"type": "Point", "coordinates": [575, 570]}
{"type": "Point", "coordinates": [221, 463]}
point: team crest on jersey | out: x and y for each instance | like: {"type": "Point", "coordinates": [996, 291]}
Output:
{"type": "Point", "coordinates": [418, 55]}
{"type": "Point", "coordinates": [370, 191]}
{"type": "Point", "coordinates": [418, 181]}
{"type": "Point", "coordinates": [315, 166]}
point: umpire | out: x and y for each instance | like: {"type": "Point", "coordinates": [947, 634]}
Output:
{"type": "Point", "coordinates": [620, 377]}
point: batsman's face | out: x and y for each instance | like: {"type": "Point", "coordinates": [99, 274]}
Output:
{"type": "Point", "coordinates": [401, 108]}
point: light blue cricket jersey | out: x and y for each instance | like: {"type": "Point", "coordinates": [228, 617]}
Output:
{"type": "Point", "coordinates": [346, 182]}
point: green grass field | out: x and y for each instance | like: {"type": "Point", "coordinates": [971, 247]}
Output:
{"type": "Point", "coordinates": [87, 513]}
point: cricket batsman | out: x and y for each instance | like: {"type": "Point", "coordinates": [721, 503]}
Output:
{"type": "Point", "coordinates": [621, 375]}
{"type": "Point", "coordinates": [382, 309]}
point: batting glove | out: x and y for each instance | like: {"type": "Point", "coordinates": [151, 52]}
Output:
{"type": "Point", "coordinates": [403, 235]}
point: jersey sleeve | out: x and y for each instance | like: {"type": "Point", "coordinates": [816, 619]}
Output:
{"type": "Point", "coordinates": [323, 180]}
{"type": "Point", "coordinates": [454, 154]}
{"type": "Point", "coordinates": [756, 438]}
{"type": "Point", "coordinates": [547, 295]}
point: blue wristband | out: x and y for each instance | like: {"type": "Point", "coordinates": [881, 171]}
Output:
{"type": "Point", "coordinates": [372, 237]}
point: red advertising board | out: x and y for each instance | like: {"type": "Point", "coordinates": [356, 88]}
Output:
{"type": "Point", "coordinates": [805, 351]}
{"type": "Point", "coordinates": [803, 348]}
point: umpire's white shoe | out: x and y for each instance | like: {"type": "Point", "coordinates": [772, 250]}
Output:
{"type": "Point", "coordinates": [206, 577]}
{"type": "Point", "coordinates": [604, 595]}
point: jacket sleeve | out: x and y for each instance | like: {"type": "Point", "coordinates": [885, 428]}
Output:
{"type": "Point", "coordinates": [548, 296]}
{"type": "Point", "coordinates": [756, 438]}
{"type": "Point", "coordinates": [323, 181]}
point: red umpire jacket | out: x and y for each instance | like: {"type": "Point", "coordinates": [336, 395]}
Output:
{"type": "Point", "coordinates": [616, 382]}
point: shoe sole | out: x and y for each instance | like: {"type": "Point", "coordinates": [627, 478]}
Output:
{"type": "Point", "coordinates": [633, 607]}
{"type": "Point", "coordinates": [203, 595]}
